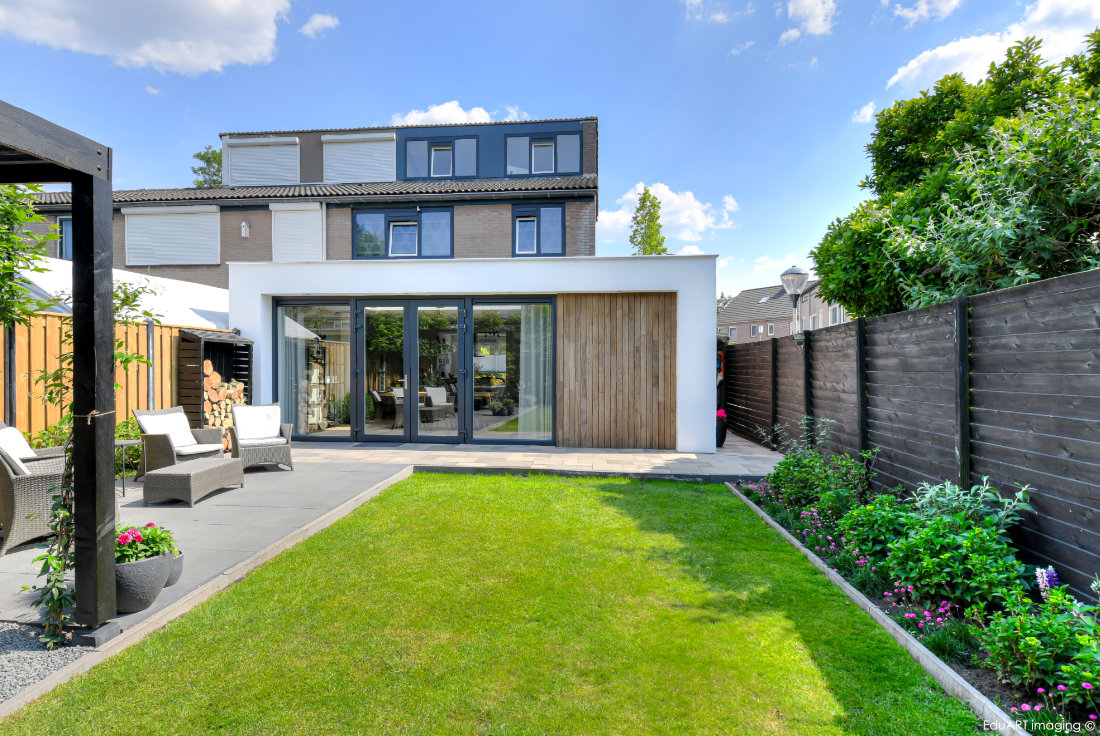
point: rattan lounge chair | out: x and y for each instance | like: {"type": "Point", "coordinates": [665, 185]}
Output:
{"type": "Point", "coordinates": [258, 437]}
{"type": "Point", "coordinates": [168, 439]}
{"type": "Point", "coordinates": [26, 500]}
{"type": "Point", "coordinates": [43, 453]}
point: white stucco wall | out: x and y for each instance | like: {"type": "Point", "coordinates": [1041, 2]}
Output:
{"type": "Point", "coordinates": [253, 285]}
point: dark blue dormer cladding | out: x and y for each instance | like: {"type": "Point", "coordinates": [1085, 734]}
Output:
{"type": "Point", "coordinates": [491, 144]}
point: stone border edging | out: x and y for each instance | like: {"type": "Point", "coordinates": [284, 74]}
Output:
{"type": "Point", "coordinates": [952, 683]}
{"type": "Point", "coordinates": [199, 595]}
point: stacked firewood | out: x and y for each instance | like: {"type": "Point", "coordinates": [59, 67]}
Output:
{"type": "Point", "coordinates": [220, 396]}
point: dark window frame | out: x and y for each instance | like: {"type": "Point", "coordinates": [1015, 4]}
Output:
{"type": "Point", "coordinates": [443, 142]}
{"type": "Point", "coordinates": [520, 211]}
{"type": "Point", "coordinates": [552, 138]}
{"type": "Point", "coordinates": [392, 216]}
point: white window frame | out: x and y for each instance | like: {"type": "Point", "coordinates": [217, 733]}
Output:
{"type": "Point", "coordinates": [754, 331]}
{"type": "Point", "coordinates": [227, 158]}
{"type": "Point", "coordinates": [431, 160]}
{"type": "Point", "coordinates": [834, 315]}
{"type": "Point", "coordinates": [542, 144]}
{"type": "Point", "coordinates": [733, 333]}
{"type": "Point", "coordinates": [61, 238]}
{"type": "Point", "coordinates": [533, 219]}
{"type": "Point", "coordinates": [312, 208]}
{"type": "Point", "coordinates": [771, 329]}
{"type": "Point", "coordinates": [402, 223]}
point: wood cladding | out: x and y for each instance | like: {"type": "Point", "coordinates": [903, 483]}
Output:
{"type": "Point", "coordinates": [616, 370]}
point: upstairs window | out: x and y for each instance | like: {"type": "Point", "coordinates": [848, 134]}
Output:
{"type": "Point", "coordinates": [834, 315]}
{"type": "Point", "coordinates": [771, 330]}
{"type": "Point", "coordinates": [403, 238]}
{"type": "Point", "coordinates": [542, 157]}
{"type": "Point", "coordinates": [519, 156]}
{"type": "Point", "coordinates": [65, 241]}
{"type": "Point", "coordinates": [402, 234]}
{"type": "Point", "coordinates": [753, 330]}
{"type": "Point", "coordinates": [441, 160]}
{"type": "Point", "coordinates": [538, 231]}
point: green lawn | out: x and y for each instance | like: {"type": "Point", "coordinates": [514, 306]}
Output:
{"type": "Point", "coordinates": [501, 605]}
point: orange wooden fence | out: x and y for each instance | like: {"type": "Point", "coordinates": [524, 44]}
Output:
{"type": "Point", "coordinates": [38, 345]}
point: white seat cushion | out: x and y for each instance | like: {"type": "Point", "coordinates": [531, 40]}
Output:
{"type": "Point", "coordinates": [196, 449]}
{"type": "Point", "coordinates": [256, 422]}
{"type": "Point", "coordinates": [265, 442]}
{"type": "Point", "coordinates": [15, 444]}
{"type": "Point", "coordinates": [174, 425]}
{"type": "Point", "coordinates": [16, 465]}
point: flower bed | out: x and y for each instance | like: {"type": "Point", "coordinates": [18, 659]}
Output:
{"type": "Point", "coordinates": [941, 564]}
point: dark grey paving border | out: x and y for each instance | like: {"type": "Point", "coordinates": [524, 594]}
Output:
{"type": "Point", "coordinates": [571, 473]}
{"type": "Point", "coordinates": [994, 718]}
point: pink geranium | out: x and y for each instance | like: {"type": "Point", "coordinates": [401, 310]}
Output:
{"type": "Point", "coordinates": [125, 539]}
{"type": "Point", "coordinates": [721, 413]}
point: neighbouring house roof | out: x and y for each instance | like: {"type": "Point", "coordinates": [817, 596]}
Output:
{"type": "Point", "coordinates": [765, 302]}
{"type": "Point", "coordinates": [428, 125]}
{"type": "Point", "coordinates": [180, 303]}
{"type": "Point", "coordinates": [53, 200]}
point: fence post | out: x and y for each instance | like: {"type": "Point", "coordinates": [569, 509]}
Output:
{"type": "Point", "coordinates": [807, 394]}
{"type": "Point", "coordinates": [775, 394]}
{"type": "Point", "coordinates": [962, 390]}
{"type": "Point", "coordinates": [861, 383]}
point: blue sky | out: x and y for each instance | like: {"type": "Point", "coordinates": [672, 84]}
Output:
{"type": "Point", "coordinates": [747, 119]}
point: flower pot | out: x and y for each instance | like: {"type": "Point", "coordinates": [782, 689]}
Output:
{"type": "Point", "coordinates": [721, 428]}
{"type": "Point", "coordinates": [177, 570]}
{"type": "Point", "coordinates": [138, 583]}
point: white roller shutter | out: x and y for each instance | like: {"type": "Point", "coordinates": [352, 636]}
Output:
{"type": "Point", "coordinates": [260, 161]}
{"type": "Point", "coordinates": [172, 236]}
{"type": "Point", "coordinates": [360, 158]}
{"type": "Point", "coordinates": [297, 232]}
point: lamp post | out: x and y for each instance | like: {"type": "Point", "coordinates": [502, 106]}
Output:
{"type": "Point", "coordinates": [794, 281]}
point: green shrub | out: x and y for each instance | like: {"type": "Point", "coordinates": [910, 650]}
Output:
{"type": "Point", "coordinates": [1053, 645]}
{"type": "Point", "coordinates": [979, 503]}
{"type": "Point", "coordinates": [801, 478]}
{"type": "Point", "coordinates": [873, 527]}
{"type": "Point", "coordinates": [948, 558]}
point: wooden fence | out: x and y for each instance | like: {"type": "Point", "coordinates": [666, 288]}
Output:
{"type": "Point", "coordinates": [1004, 384]}
{"type": "Point", "coordinates": [30, 349]}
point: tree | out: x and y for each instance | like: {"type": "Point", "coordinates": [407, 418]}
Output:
{"type": "Point", "coordinates": [645, 227]}
{"type": "Point", "coordinates": [22, 251]}
{"type": "Point", "coordinates": [977, 187]}
{"type": "Point", "coordinates": [208, 174]}
{"type": "Point", "coordinates": [722, 301]}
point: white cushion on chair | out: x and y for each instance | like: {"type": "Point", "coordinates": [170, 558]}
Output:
{"type": "Point", "coordinates": [256, 422]}
{"type": "Point", "coordinates": [265, 442]}
{"type": "Point", "coordinates": [174, 425]}
{"type": "Point", "coordinates": [16, 465]}
{"type": "Point", "coordinates": [196, 449]}
{"type": "Point", "coordinates": [437, 395]}
{"type": "Point", "coordinates": [15, 444]}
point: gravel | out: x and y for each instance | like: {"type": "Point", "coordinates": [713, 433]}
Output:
{"type": "Point", "coordinates": [24, 660]}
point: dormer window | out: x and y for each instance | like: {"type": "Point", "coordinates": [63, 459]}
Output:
{"type": "Point", "coordinates": [542, 157]}
{"type": "Point", "coordinates": [442, 157]}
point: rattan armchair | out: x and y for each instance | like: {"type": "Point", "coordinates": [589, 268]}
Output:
{"type": "Point", "coordinates": [43, 453]}
{"type": "Point", "coordinates": [259, 447]}
{"type": "Point", "coordinates": [26, 500]}
{"type": "Point", "coordinates": [159, 450]}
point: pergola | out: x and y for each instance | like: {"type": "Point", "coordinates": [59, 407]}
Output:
{"type": "Point", "coordinates": [36, 150]}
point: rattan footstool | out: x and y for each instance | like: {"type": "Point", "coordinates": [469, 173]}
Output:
{"type": "Point", "coordinates": [192, 480]}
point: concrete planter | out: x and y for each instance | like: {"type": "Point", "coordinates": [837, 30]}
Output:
{"type": "Point", "coordinates": [138, 583]}
{"type": "Point", "coordinates": [177, 570]}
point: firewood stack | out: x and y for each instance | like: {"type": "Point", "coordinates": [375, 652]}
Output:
{"type": "Point", "coordinates": [220, 397]}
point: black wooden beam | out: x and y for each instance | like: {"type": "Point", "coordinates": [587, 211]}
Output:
{"type": "Point", "coordinates": [51, 143]}
{"type": "Point", "coordinates": [24, 173]}
{"type": "Point", "coordinates": [962, 391]}
{"type": "Point", "coordinates": [93, 400]}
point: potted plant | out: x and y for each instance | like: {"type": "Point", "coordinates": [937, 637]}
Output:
{"type": "Point", "coordinates": [508, 406]}
{"type": "Point", "coordinates": [177, 567]}
{"type": "Point", "coordinates": [721, 427]}
{"type": "Point", "coordinates": [143, 562]}
{"type": "Point", "coordinates": [497, 408]}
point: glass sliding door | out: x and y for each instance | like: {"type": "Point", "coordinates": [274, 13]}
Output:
{"type": "Point", "coordinates": [439, 371]}
{"type": "Point", "coordinates": [314, 370]}
{"type": "Point", "coordinates": [384, 374]}
{"type": "Point", "coordinates": [513, 371]}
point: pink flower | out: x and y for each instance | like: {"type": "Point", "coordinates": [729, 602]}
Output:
{"type": "Point", "coordinates": [721, 413]}
{"type": "Point", "coordinates": [149, 525]}
{"type": "Point", "coordinates": [1092, 716]}
{"type": "Point", "coordinates": [920, 624]}
{"type": "Point", "coordinates": [125, 539]}
{"type": "Point", "coordinates": [137, 536]}
{"type": "Point", "coordinates": [1087, 685]}
{"type": "Point", "coordinates": [1025, 706]}
{"type": "Point", "coordinates": [1062, 688]}
{"type": "Point", "coordinates": [1040, 690]}
{"type": "Point", "coordinates": [1038, 708]}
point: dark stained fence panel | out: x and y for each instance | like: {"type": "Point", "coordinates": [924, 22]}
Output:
{"type": "Point", "coordinates": [833, 378]}
{"type": "Point", "coordinates": [749, 389]}
{"type": "Point", "coordinates": [790, 387]}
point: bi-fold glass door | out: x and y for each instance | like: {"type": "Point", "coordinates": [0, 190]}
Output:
{"type": "Point", "coordinates": [412, 370]}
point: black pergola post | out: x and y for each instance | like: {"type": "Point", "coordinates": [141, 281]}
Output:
{"type": "Point", "coordinates": [36, 150]}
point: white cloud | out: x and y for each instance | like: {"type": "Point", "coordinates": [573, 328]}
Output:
{"type": "Point", "coordinates": [318, 23]}
{"type": "Point", "coordinates": [453, 112]}
{"type": "Point", "coordinates": [690, 250]}
{"type": "Point", "coordinates": [729, 204]}
{"type": "Point", "coordinates": [714, 12]}
{"type": "Point", "coordinates": [865, 114]}
{"type": "Point", "coordinates": [742, 48]}
{"type": "Point", "coordinates": [185, 37]}
{"type": "Point", "coordinates": [153, 90]}
{"type": "Point", "coordinates": [925, 9]}
{"type": "Point", "coordinates": [723, 262]}
{"type": "Point", "coordinates": [791, 34]}
{"type": "Point", "coordinates": [683, 217]}
{"type": "Point", "coordinates": [746, 272]}
{"type": "Point", "coordinates": [1061, 24]}
{"type": "Point", "coordinates": [814, 17]}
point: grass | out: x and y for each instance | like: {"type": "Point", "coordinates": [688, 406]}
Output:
{"type": "Point", "coordinates": [456, 604]}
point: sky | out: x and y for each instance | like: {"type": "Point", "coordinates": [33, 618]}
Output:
{"type": "Point", "coordinates": [748, 118]}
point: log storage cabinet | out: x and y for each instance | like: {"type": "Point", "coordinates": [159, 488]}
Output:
{"type": "Point", "coordinates": [214, 373]}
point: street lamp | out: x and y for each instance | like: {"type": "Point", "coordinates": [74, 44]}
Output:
{"type": "Point", "coordinates": [794, 281]}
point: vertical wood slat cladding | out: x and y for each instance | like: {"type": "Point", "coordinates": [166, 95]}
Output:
{"type": "Point", "coordinates": [616, 370]}
{"type": "Point", "coordinates": [1033, 362]}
